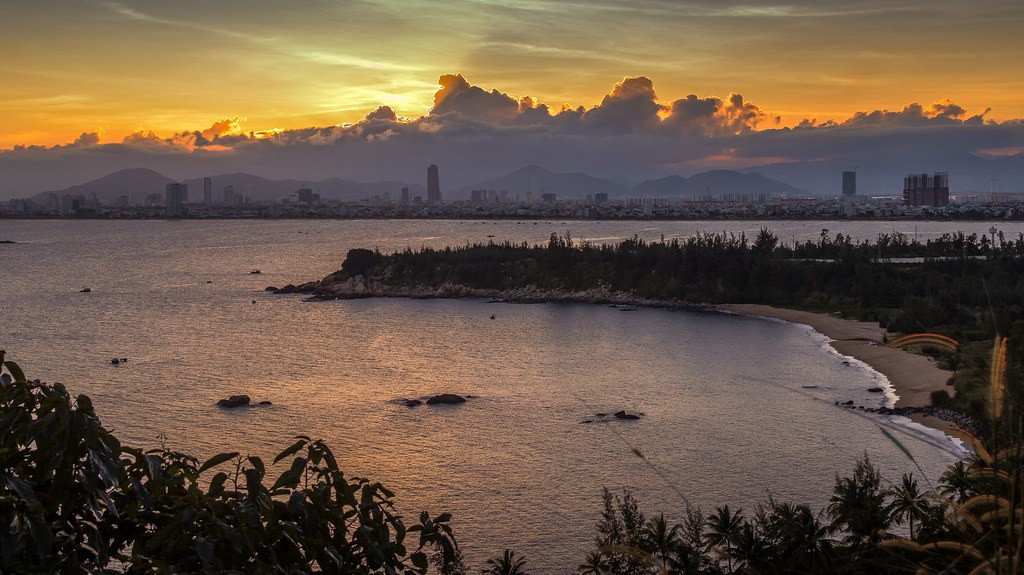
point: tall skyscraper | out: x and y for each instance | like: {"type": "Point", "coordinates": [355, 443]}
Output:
{"type": "Point", "coordinates": [174, 197]}
{"type": "Point", "coordinates": [405, 196]}
{"type": "Point", "coordinates": [849, 183]}
{"type": "Point", "coordinates": [433, 185]}
{"type": "Point", "coordinates": [207, 191]}
{"type": "Point", "coordinates": [925, 190]}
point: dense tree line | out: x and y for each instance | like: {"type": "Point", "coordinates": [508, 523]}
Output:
{"type": "Point", "coordinates": [958, 279]}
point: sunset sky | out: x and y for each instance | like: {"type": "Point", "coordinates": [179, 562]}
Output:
{"type": "Point", "coordinates": [121, 67]}
{"type": "Point", "coordinates": [92, 72]}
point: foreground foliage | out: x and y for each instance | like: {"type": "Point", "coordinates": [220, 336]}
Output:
{"type": "Point", "coordinates": [74, 500]}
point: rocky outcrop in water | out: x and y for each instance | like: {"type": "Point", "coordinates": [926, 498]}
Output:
{"type": "Point", "coordinates": [446, 399]}
{"type": "Point", "coordinates": [234, 401]}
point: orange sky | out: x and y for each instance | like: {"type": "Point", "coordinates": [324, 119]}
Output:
{"type": "Point", "coordinates": [122, 67]}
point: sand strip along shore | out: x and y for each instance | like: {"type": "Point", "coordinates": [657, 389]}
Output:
{"type": "Point", "coordinates": [913, 377]}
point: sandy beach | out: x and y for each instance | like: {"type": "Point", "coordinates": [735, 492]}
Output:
{"type": "Point", "coordinates": [912, 376]}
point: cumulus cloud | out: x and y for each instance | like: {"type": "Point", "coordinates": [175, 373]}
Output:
{"type": "Point", "coordinates": [87, 139]}
{"type": "Point", "coordinates": [382, 113]}
{"type": "Point", "coordinates": [228, 126]}
{"type": "Point", "coordinates": [632, 106]}
{"type": "Point", "coordinates": [914, 114]}
{"type": "Point", "coordinates": [458, 96]}
{"type": "Point", "coordinates": [713, 116]}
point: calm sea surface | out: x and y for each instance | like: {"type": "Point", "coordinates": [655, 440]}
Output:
{"type": "Point", "coordinates": [735, 408]}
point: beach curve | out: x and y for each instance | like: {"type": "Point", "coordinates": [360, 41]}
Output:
{"type": "Point", "coordinates": [913, 377]}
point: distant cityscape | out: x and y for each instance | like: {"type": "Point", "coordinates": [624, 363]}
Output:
{"type": "Point", "coordinates": [924, 197]}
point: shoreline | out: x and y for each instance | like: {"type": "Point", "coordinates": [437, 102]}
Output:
{"type": "Point", "coordinates": [913, 377]}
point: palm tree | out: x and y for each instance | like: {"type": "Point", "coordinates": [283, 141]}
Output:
{"type": "Point", "coordinates": [801, 540]}
{"type": "Point", "coordinates": [724, 526]}
{"type": "Point", "coordinates": [956, 482]}
{"type": "Point", "coordinates": [909, 502]}
{"type": "Point", "coordinates": [593, 564]}
{"type": "Point", "coordinates": [507, 564]}
{"type": "Point", "coordinates": [858, 504]}
{"type": "Point", "coordinates": [661, 540]}
{"type": "Point", "coordinates": [752, 550]}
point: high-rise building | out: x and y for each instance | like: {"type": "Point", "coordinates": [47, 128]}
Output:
{"type": "Point", "coordinates": [231, 197]}
{"type": "Point", "coordinates": [433, 185]}
{"type": "Point", "coordinates": [849, 183]}
{"type": "Point", "coordinates": [174, 197]}
{"type": "Point", "coordinates": [925, 190]}
{"type": "Point", "coordinates": [207, 191]}
{"type": "Point", "coordinates": [405, 196]}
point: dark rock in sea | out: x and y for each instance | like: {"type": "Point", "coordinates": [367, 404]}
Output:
{"type": "Point", "coordinates": [8, 242]}
{"type": "Point", "coordinates": [587, 421]}
{"type": "Point", "coordinates": [85, 290]}
{"type": "Point", "coordinates": [849, 402]}
{"type": "Point", "coordinates": [254, 272]}
{"type": "Point", "coordinates": [270, 288]}
{"type": "Point", "coordinates": [264, 402]}
{"type": "Point", "coordinates": [601, 414]}
{"type": "Point", "coordinates": [234, 401]}
{"type": "Point", "coordinates": [624, 415]}
{"type": "Point", "coordinates": [446, 398]}
{"type": "Point", "coordinates": [413, 402]}
{"type": "Point", "coordinates": [209, 281]}
{"type": "Point", "coordinates": [875, 389]}
{"type": "Point", "coordinates": [809, 386]}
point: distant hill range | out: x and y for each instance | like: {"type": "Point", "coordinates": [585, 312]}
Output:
{"type": "Point", "coordinates": [576, 185]}
{"type": "Point", "coordinates": [137, 183]}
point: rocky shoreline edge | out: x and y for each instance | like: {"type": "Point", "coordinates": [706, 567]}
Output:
{"type": "Point", "coordinates": [357, 287]}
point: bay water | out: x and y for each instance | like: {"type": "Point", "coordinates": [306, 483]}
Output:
{"type": "Point", "coordinates": [734, 408]}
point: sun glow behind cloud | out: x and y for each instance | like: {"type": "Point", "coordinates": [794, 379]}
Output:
{"type": "Point", "coordinates": [166, 66]}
